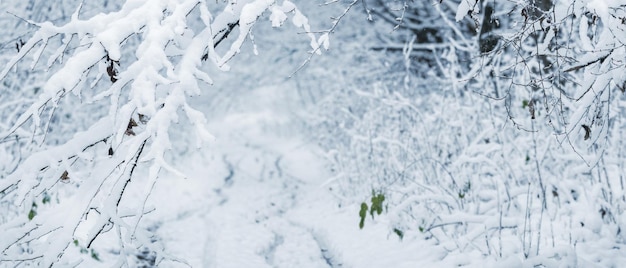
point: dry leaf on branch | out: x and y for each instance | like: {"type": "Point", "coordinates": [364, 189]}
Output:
{"type": "Point", "coordinates": [587, 131]}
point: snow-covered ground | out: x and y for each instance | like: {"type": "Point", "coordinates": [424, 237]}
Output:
{"type": "Point", "coordinates": [256, 199]}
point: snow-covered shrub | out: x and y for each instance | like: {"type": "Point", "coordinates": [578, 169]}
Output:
{"type": "Point", "coordinates": [509, 149]}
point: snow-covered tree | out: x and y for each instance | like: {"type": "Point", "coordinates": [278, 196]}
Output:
{"type": "Point", "coordinates": [116, 80]}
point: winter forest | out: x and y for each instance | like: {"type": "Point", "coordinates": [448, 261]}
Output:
{"type": "Point", "coordinates": [319, 133]}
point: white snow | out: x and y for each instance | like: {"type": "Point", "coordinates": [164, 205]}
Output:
{"type": "Point", "coordinates": [464, 7]}
{"type": "Point", "coordinates": [236, 171]}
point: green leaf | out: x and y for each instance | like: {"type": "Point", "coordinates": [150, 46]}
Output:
{"type": "Point", "coordinates": [524, 103]}
{"type": "Point", "coordinates": [362, 215]}
{"type": "Point", "coordinates": [465, 190]}
{"type": "Point", "coordinates": [31, 214]}
{"type": "Point", "coordinates": [377, 204]}
{"type": "Point", "coordinates": [421, 229]}
{"type": "Point", "coordinates": [363, 211]}
{"type": "Point", "coordinates": [379, 208]}
{"type": "Point", "coordinates": [94, 255]}
{"type": "Point", "coordinates": [46, 198]}
{"type": "Point", "coordinates": [75, 242]}
{"type": "Point", "coordinates": [399, 233]}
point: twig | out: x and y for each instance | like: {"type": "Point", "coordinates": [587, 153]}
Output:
{"type": "Point", "coordinates": [329, 31]}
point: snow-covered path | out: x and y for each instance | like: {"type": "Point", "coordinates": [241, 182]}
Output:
{"type": "Point", "coordinates": [255, 199]}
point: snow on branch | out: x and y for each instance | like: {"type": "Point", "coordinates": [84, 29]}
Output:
{"type": "Point", "coordinates": [143, 61]}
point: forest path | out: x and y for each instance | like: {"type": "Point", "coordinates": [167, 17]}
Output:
{"type": "Point", "coordinates": [254, 198]}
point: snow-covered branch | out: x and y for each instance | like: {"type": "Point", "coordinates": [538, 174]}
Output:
{"type": "Point", "coordinates": [144, 61]}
